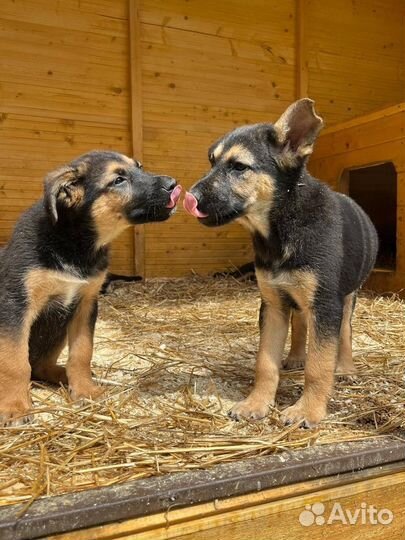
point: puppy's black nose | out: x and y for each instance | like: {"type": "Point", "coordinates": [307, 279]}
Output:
{"type": "Point", "coordinates": [168, 183]}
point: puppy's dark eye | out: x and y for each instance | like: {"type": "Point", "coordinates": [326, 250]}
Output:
{"type": "Point", "coordinates": [118, 181]}
{"type": "Point", "coordinates": [239, 166]}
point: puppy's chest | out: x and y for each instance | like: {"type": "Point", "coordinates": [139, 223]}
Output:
{"type": "Point", "coordinates": [299, 285]}
{"type": "Point", "coordinates": [67, 293]}
{"type": "Point", "coordinates": [50, 289]}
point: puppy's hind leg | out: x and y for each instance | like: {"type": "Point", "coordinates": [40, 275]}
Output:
{"type": "Point", "coordinates": [297, 355]}
{"type": "Point", "coordinates": [45, 369]}
{"type": "Point", "coordinates": [345, 364]}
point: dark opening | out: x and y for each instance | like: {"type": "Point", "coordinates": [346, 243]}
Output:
{"type": "Point", "coordinates": [374, 188]}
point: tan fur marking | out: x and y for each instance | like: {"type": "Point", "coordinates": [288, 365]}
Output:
{"type": "Point", "coordinates": [111, 168]}
{"type": "Point", "coordinates": [80, 338]}
{"type": "Point", "coordinates": [345, 365]}
{"type": "Point", "coordinates": [273, 335]}
{"type": "Point", "coordinates": [218, 151]}
{"type": "Point", "coordinates": [110, 171]}
{"type": "Point", "coordinates": [63, 185]}
{"type": "Point", "coordinates": [319, 376]}
{"type": "Point", "coordinates": [267, 290]}
{"type": "Point", "coordinates": [301, 285]}
{"type": "Point", "coordinates": [15, 371]}
{"type": "Point", "coordinates": [297, 355]}
{"type": "Point", "coordinates": [42, 284]}
{"type": "Point", "coordinates": [74, 198]}
{"type": "Point", "coordinates": [130, 161]}
{"type": "Point", "coordinates": [107, 209]}
{"type": "Point", "coordinates": [255, 188]}
{"type": "Point", "coordinates": [257, 191]}
{"type": "Point", "coordinates": [239, 153]}
{"type": "Point", "coordinates": [108, 217]}
{"type": "Point", "coordinates": [15, 377]}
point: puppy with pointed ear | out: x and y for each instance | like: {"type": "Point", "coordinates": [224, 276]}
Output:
{"type": "Point", "coordinates": [314, 248]}
{"type": "Point", "coordinates": [251, 165]}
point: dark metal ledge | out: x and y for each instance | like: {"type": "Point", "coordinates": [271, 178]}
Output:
{"type": "Point", "coordinates": [52, 515]}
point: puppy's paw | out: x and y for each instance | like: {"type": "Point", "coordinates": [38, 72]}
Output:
{"type": "Point", "coordinates": [15, 414]}
{"type": "Point", "coordinates": [346, 378]}
{"type": "Point", "coordinates": [85, 391]}
{"type": "Point", "coordinates": [293, 362]}
{"type": "Point", "coordinates": [345, 366]}
{"type": "Point", "coordinates": [346, 373]}
{"type": "Point", "coordinates": [250, 408]}
{"type": "Point", "coordinates": [308, 417]}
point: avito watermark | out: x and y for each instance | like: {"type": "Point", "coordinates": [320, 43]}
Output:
{"type": "Point", "coordinates": [365, 514]}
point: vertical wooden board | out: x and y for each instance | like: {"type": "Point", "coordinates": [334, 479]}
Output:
{"type": "Point", "coordinates": [135, 69]}
{"type": "Point", "coordinates": [63, 91]}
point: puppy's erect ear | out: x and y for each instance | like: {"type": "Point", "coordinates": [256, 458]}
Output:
{"type": "Point", "coordinates": [297, 129]}
{"type": "Point", "coordinates": [63, 186]}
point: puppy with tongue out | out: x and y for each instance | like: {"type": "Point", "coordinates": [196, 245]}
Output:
{"type": "Point", "coordinates": [313, 250]}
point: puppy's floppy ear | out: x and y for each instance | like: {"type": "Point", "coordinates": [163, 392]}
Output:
{"type": "Point", "coordinates": [63, 186]}
{"type": "Point", "coordinates": [297, 129]}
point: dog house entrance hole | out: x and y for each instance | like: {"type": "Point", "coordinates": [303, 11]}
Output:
{"type": "Point", "coordinates": [374, 188]}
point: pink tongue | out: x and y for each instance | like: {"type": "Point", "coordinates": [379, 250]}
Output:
{"type": "Point", "coordinates": [190, 204]}
{"type": "Point", "coordinates": [174, 197]}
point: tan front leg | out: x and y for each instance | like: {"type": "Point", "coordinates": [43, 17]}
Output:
{"type": "Point", "coordinates": [297, 355]}
{"type": "Point", "coordinates": [345, 364]}
{"type": "Point", "coordinates": [320, 365]}
{"type": "Point", "coordinates": [15, 374]}
{"type": "Point", "coordinates": [273, 335]}
{"type": "Point", "coordinates": [80, 339]}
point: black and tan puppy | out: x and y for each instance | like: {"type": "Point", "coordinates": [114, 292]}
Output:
{"type": "Point", "coordinates": [313, 250]}
{"type": "Point", "coordinates": [54, 265]}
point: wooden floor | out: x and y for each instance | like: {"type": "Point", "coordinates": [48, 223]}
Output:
{"type": "Point", "coordinates": [275, 513]}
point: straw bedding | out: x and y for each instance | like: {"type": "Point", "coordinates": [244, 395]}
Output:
{"type": "Point", "coordinates": [173, 356]}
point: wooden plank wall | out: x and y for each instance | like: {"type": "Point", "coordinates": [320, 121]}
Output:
{"type": "Point", "coordinates": [209, 66]}
{"type": "Point", "coordinates": [356, 55]}
{"type": "Point", "coordinates": [64, 90]}
{"type": "Point", "coordinates": [374, 138]}
{"type": "Point", "coordinates": [206, 67]}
